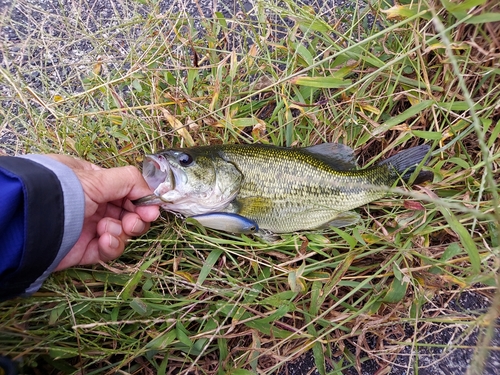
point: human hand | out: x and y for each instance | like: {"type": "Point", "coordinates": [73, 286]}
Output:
{"type": "Point", "coordinates": [110, 218]}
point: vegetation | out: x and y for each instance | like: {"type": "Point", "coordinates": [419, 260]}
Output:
{"type": "Point", "coordinates": [183, 299]}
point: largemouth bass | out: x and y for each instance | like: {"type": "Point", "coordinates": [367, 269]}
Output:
{"type": "Point", "coordinates": [247, 188]}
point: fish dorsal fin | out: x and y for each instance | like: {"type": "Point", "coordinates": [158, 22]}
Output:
{"type": "Point", "coordinates": [338, 156]}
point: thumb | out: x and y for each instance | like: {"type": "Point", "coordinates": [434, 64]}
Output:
{"type": "Point", "coordinates": [107, 185]}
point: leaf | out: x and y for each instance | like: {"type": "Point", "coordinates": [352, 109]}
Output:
{"type": "Point", "coordinates": [451, 251]}
{"type": "Point", "coordinates": [136, 84]}
{"type": "Point", "coordinates": [279, 299]}
{"type": "Point", "coordinates": [344, 71]}
{"type": "Point", "coordinates": [192, 74]}
{"type": "Point", "coordinates": [465, 238]}
{"type": "Point", "coordinates": [316, 24]}
{"type": "Point", "coordinates": [460, 9]}
{"type": "Point", "coordinates": [371, 238]}
{"type": "Point", "coordinates": [55, 313]}
{"type": "Point", "coordinates": [317, 238]}
{"type": "Point", "coordinates": [97, 68]}
{"type": "Point", "coordinates": [436, 136]}
{"type": "Point", "coordinates": [410, 112]}
{"type": "Point", "coordinates": [397, 272]}
{"type": "Point", "coordinates": [413, 205]}
{"type": "Point", "coordinates": [396, 291]}
{"type": "Point", "coordinates": [483, 18]}
{"type": "Point", "coordinates": [369, 108]}
{"type": "Point", "coordinates": [240, 371]}
{"type": "Point", "coordinates": [140, 307]}
{"type": "Point", "coordinates": [406, 11]}
{"type": "Point", "coordinates": [222, 20]}
{"type": "Point", "coordinates": [494, 234]}
{"type": "Point", "coordinates": [315, 295]}
{"type": "Point", "coordinates": [61, 353]}
{"type": "Point", "coordinates": [304, 53]}
{"type": "Point", "coordinates": [200, 344]}
{"type": "Point", "coordinates": [460, 162]}
{"type": "Point", "coordinates": [321, 82]}
{"type": "Point", "coordinates": [295, 281]}
{"type": "Point", "coordinates": [208, 265]}
{"type": "Point", "coordinates": [183, 334]}
{"type": "Point", "coordinates": [351, 241]}
{"type": "Point", "coordinates": [319, 357]}
{"type": "Point", "coordinates": [458, 106]}
{"type": "Point", "coordinates": [186, 276]}
{"type": "Point", "coordinates": [223, 349]}
{"type": "Point", "coordinates": [268, 329]}
{"type": "Point", "coordinates": [131, 285]}
{"type": "Point", "coordinates": [246, 122]}
{"type": "Point", "coordinates": [340, 270]}
{"type": "Point", "coordinates": [162, 341]}
{"type": "Point", "coordinates": [462, 6]}
{"type": "Point", "coordinates": [178, 127]}
{"type": "Point", "coordinates": [495, 132]}
{"type": "Point", "coordinates": [278, 314]}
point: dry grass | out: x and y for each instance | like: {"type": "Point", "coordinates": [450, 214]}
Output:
{"type": "Point", "coordinates": [186, 300]}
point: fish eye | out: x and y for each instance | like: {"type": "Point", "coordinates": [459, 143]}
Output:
{"type": "Point", "coordinates": [185, 160]}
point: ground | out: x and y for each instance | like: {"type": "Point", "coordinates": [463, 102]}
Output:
{"type": "Point", "coordinates": [21, 24]}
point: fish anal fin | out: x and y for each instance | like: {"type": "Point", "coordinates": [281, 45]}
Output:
{"type": "Point", "coordinates": [344, 219]}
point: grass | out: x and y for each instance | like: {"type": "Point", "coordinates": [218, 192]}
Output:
{"type": "Point", "coordinates": [183, 299]}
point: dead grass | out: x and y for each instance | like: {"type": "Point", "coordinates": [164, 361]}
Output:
{"type": "Point", "coordinates": [184, 300]}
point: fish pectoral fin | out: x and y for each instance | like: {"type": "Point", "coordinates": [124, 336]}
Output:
{"type": "Point", "coordinates": [252, 206]}
{"type": "Point", "coordinates": [338, 156]}
{"type": "Point", "coordinates": [227, 222]}
{"type": "Point", "coordinates": [344, 219]}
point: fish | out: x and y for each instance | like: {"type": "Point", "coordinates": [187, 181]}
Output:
{"type": "Point", "coordinates": [270, 189]}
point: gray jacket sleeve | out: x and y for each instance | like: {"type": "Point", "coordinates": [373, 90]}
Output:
{"type": "Point", "coordinates": [74, 208]}
{"type": "Point", "coordinates": [52, 205]}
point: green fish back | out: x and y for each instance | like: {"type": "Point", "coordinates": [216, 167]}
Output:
{"type": "Point", "coordinates": [286, 189]}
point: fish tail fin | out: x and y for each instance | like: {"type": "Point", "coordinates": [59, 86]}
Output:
{"type": "Point", "coordinates": [404, 163]}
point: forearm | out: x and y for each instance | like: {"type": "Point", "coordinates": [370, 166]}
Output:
{"type": "Point", "coordinates": [41, 218]}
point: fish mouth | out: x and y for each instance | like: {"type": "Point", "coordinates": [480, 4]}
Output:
{"type": "Point", "coordinates": [160, 178]}
{"type": "Point", "coordinates": [158, 174]}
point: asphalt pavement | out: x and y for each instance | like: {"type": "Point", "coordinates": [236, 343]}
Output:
{"type": "Point", "coordinates": [22, 19]}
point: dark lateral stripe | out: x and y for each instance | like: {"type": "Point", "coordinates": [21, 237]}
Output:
{"type": "Point", "coordinates": [44, 223]}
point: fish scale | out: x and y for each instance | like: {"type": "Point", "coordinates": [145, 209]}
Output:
{"type": "Point", "coordinates": [297, 190]}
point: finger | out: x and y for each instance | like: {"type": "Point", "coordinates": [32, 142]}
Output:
{"type": "Point", "coordinates": [110, 247]}
{"type": "Point", "coordinates": [88, 254]}
{"type": "Point", "coordinates": [148, 213]}
{"type": "Point", "coordinates": [111, 226]}
{"type": "Point", "coordinates": [133, 225]}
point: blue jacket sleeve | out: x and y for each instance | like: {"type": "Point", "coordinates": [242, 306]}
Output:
{"type": "Point", "coordinates": [41, 217]}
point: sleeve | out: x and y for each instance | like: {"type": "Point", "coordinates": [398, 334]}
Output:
{"type": "Point", "coordinates": [41, 218]}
